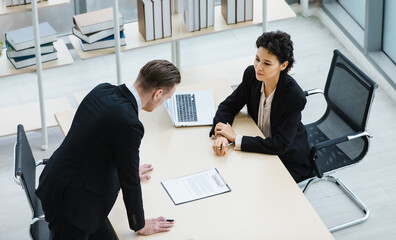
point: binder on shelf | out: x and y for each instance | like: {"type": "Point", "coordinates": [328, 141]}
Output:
{"type": "Point", "coordinates": [203, 11]}
{"type": "Point", "coordinates": [103, 43]}
{"type": "Point", "coordinates": [240, 11]}
{"type": "Point", "coordinates": [167, 18]}
{"type": "Point", "coordinates": [146, 19]}
{"type": "Point", "coordinates": [21, 62]}
{"type": "Point", "coordinates": [249, 10]}
{"type": "Point", "coordinates": [235, 11]}
{"type": "Point", "coordinates": [228, 11]}
{"type": "Point", "coordinates": [210, 12]}
{"type": "Point", "coordinates": [157, 9]}
{"type": "Point", "coordinates": [155, 19]}
{"type": "Point", "coordinates": [96, 21]}
{"type": "Point", "coordinates": [45, 48]}
{"type": "Point", "coordinates": [196, 15]}
{"type": "Point", "coordinates": [96, 36]}
{"type": "Point", "coordinates": [23, 38]}
{"type": "Point", "coordinates": [187, 14]}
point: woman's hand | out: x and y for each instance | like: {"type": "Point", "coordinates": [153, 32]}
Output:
{"type": "Point", "coordinates": [226, 131]}
{"type": "Point", "coordinates": [219, 146]}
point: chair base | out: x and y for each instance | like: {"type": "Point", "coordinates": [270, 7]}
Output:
{"type": "Point", "coordinates": [349, 193]}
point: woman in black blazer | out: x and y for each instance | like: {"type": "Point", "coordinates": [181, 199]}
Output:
{"type": "Point", "coordinates": [274, 100]}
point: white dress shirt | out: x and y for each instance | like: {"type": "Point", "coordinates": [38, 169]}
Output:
{"type": "Point", "coordinates": [136, 95]}
{"type": "Point", "coordinates": [264, 119]}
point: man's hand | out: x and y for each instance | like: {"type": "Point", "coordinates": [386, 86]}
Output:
{"type": "Point", "coordinates": [219, 146]}
{"type": "Point", "coordinates": [226, 131]}
{"type": "Point", "coordinates": [156, 225]}
{"type": "Point", "coordinates": [143, 169]}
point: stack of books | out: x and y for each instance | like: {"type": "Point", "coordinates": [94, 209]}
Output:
{"type": "Point", "coordinates": [154, 19]}
{"type": "Point", "coordinates": [11, 3]}
{"type": "Point", "coordinates": [197, 14]}
{"type": "Point", "coordinates": [20, 45]}
{"type": "Point", "coordinates": [235, 11]}
{"type": "Point", "coordinates": [96, 29]}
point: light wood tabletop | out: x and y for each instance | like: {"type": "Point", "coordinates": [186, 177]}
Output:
{"type": "Point", "coordinates": [277, 10]}
{"type": "Point", "coordinates": [265, 202]}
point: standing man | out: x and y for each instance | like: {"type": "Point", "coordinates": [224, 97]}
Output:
{"type": "Point", "coordinates": [100, 155]}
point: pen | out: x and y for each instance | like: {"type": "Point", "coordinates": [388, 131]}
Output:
{"type": "Point", "coordinates": [227, 145]}
{"type": "Point", "coordinates": [169, 220]}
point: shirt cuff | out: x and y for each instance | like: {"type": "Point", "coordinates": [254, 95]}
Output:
{"type": "Point", "coordinates": [238, 142]}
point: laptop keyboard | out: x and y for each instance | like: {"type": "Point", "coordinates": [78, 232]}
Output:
{"type": "Point", "coordinates": [186, 108]}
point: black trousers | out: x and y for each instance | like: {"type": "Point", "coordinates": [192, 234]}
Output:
{"type": "Point", "coordinates": [63, 230]}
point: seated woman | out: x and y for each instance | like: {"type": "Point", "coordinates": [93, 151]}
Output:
{"type": "Point", "coordinates": [274, 100]}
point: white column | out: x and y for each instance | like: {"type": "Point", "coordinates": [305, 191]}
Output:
{"type": "Point", "coordinates": [39, 68]}
{"type": "Point", "coordinates": [117, 41]}
{"type": "Point", "coordinates": [265, 15]}
{"type": "Point", "coordinates": [176, 53]}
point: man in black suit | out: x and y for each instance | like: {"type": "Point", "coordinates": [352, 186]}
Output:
{"type": "Point", "coordinates": [100, 155]}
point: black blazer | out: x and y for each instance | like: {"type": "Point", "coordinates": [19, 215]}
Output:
{"type": "Point", "coordinates": [289, 137]}
{"type": "Point", "coordinates": [99, 155]}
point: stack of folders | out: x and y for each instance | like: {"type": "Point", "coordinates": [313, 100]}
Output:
{"type": "Point", "coordinates": [96, 29]}
{"type": "Point", "coordinates": [11, 3]}
{"type": "Point", "coordinates": [154, 19]}
{"type": "Point", "coordinates": [20, 45]}
{"type": "Point", "coordinates": [235, 11]}
{"type": "Point", "coordinates": [197, 14]}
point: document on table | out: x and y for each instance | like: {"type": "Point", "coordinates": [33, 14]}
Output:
{"type": "Point", "coordinates": [195, 186]}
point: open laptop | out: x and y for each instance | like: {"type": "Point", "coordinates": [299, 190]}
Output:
{"type": "Point", "coordinates": [191, 108]}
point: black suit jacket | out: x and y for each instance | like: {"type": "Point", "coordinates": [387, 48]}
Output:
{"type": "Point", "coordinates": [99, 155]}
{"type": "Point", "coordinates": [289, 137]}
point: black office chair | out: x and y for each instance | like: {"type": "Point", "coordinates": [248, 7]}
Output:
{"type": "Point", "coordinates": [25, 175]}
{"type": "Point", "coordinates": [339, 138]}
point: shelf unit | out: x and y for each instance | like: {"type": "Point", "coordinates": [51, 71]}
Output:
{"type": "Point", "coordinates": [276, 10]}
{"type": "Point", "coordinates": [6, 71]}
{"type": "Point", "coordinates": [64, 58]}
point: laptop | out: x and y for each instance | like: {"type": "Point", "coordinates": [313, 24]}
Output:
{"type": "Point", "coordinates": [191, 108]}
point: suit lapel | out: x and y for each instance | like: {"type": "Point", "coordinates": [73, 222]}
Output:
{"type": "Point", "coordinates": [255, 98]}
{"type": "Point", "coordinates": [125, 91]}
{"type": "Point", "coordinates": [277, 101]}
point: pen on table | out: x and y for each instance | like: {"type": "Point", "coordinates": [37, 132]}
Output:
{"type": "Point", "coordinates": [227, 145]}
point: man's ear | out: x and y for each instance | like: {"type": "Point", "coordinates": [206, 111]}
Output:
{"type": "Point", "coordinates": [284, 65]}
{"type": "Point", "coordinates": [158, 93]}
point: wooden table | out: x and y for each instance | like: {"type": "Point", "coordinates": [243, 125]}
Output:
{"type": "Point", "coordinates": [265, 202]}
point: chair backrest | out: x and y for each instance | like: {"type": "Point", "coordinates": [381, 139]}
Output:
{"type": "Point", "coordinates": [349, 94]}
{"type": "Point", "coordinates": [25, 168]}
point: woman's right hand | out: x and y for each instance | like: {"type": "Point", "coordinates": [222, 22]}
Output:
{"type": "Point", "coordinates": [218, 146]}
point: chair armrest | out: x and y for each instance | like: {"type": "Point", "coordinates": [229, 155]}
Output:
{"type": "Point", "coordinates": [42, 162]}
{"type": "Point", "coordinates": [39, 218]}
{"type": "Point", "coordinates": [313, 91]}
{"type": "Point", "coordinates": [331, 142]}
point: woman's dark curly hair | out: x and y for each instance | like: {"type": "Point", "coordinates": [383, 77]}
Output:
{"type": "Point", "coordinates": [279, 44]}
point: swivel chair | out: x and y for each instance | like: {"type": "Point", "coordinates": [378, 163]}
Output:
{"type": "Point", "coordinates": [339, 138]}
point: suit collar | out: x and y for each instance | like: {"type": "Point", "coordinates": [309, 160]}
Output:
{"type": "Point", "coordinates": [125, 91]}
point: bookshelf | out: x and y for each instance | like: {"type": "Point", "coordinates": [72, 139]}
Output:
{"type": "Point", "coordinates": [64, 58]}
{"type": "Point", "coordinates": [27, 8]}
{"type": "Point", "coordinates": [33, 8]}
{"type": "Point", "coordinates": [277, 10]}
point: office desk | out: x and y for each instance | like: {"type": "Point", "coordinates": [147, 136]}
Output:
{"type": "Point", "coordinates": [265, 202]}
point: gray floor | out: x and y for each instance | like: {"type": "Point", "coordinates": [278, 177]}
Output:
{"type": "Point", "coordinates": [372, 180]}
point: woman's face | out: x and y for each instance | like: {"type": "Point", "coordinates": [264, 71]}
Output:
{"type": "Point", "coordinates": [267, 65]}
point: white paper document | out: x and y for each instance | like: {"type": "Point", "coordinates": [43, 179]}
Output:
{"type": "Point", "coordinates": [195, 186]}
